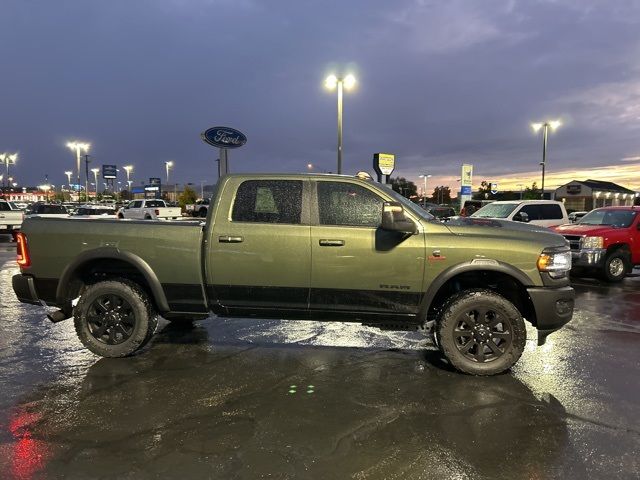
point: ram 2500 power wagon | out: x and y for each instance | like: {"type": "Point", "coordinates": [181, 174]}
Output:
{"type": "Point", "coordinates": [304, 247]}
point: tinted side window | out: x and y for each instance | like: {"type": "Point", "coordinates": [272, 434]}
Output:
{"type": "Point", "coordinates": [137, 204]}
{"type": "Point", "coordinates": [347, 204]}
{"type": "Point", "coordinates": [4, 207]}
{"type": "Point", "coordinates": [533, 211]}
{"type": "Point", "coordinates": [268, 201]}
{"type": "Point", "coordinates": [551, 211]}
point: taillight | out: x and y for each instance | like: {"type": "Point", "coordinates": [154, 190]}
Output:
{"type": "Point", "coordinates": [24, 260]}
{"type": "Point", "coordinates": [157, 212]}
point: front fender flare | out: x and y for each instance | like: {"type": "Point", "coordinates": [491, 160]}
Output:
{"type": "Point", "coordinates": [470, 266]}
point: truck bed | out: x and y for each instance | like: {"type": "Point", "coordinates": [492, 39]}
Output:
{"type": "Point", "coordinates": [152, 242]}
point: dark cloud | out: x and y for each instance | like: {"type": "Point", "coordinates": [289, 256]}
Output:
{"type": "Point", "coordinates": [441, 83]}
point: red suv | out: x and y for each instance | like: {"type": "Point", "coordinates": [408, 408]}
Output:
{"type": "Point", "coordinates": [605, 241]}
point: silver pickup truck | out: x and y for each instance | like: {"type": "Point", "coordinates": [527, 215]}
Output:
{"type": "Point", "coordinates": [10, 219]}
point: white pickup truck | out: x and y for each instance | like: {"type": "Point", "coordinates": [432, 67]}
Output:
{"type": "Point", "coordinates": [149, 210]}
{"type": "Point", "coordinates": [10, 219]}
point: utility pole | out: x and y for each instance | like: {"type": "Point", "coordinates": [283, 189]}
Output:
{"type": "Point", "coordinates": [86, 178]}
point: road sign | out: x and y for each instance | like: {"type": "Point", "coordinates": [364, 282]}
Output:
{"type": "Point", "coordinates": [384, 163]}
{"type": "Point", "coordinates": [494, 188]}
{"type": "Point", "coordinates": [109, 171]}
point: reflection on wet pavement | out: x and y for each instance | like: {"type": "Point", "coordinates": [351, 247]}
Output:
{"type": "Point", "coordinates": [250, 399]}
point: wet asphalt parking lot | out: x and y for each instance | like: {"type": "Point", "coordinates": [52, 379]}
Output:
{"type": "Point", "coordinates": [246, 399]}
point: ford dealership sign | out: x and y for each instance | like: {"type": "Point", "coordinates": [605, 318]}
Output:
{"type": "Point", "coordinates": [224, 137]}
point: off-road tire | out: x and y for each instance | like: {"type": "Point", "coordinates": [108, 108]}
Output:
{"type": "Point", "coordinates": [472, 317]}
{"type": "Point", "coordinates": [616, 266]}
{"type": "Point", "coordinates": [137, 311]}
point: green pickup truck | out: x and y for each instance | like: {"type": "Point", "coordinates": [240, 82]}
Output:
{"type": "Point", "coordinates": [304, 247]}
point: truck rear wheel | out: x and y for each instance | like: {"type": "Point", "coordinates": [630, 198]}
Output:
{"type": "Point", "coordinates": [114, 318]}
{"type": "Point", "coordinates": [481, 332]}
{"type": "Point", "coordinates": [616, 266]}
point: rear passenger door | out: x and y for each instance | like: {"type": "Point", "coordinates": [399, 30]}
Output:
{"type": "Point", "coordinates": [259, 256]}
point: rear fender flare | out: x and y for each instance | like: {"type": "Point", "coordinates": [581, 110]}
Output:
{"type": "Point", "coordinates": [115, 254]}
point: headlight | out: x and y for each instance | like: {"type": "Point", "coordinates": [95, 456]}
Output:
{"type": "Point", "coordinates": [592, 242]}
{"type": "Point", "coordinates": [557, 264]}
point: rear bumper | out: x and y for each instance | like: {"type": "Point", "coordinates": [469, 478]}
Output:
{"type": "Point", "coordinates": [554, 308]}
{"type": "Point", "coordinates": [25, 289]}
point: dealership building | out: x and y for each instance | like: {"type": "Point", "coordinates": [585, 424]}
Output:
{"type": "Point", "coordinates": [585, 195]}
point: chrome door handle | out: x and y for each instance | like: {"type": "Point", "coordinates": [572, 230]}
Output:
{"type": "Point", "coordinates": [331, 243]}
{"type": "Point", "coordinates": [229, 239]}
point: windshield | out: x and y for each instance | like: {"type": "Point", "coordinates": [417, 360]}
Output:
{"type": "Point", "coordinates": [495, 210]}
{"type": "Point", "coordinates": [409, 205]}
{"type": "Point", "coordinates": [615, 218]}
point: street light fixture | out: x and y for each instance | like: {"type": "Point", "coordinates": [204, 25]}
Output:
{"type": "Point", "coordinates": [8, 159]}
{"type": "Point", "coordinates": [348, 82]}
{"type": "Point", "coordinates": [168, 166]}
{"type": "Point", "coordinates": [128, 168]}
{"type": "Point", "coordinates": [424, 192]}
{"type": "Point", "coordinates": [78, 147]}
{"type": "Point", "coordinates": [554, 125]}
{"type": "Point", "coordinates": [95, 178]}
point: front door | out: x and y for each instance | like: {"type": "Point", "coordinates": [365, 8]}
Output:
{"type": "Point", "coordinates": [357, 266]}
{"type": "Point", "coordinates": [259, 254]}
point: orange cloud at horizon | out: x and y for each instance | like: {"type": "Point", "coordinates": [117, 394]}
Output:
{"type": "Point", "coordinates": [627, 176]}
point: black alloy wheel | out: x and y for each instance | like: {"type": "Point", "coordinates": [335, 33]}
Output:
{"type": "Point", "coordinates": [483, 334]}
{"type": "Point", "coordinates": [111, 319]}
{"type": "Point", "coordinates": [480, 332]}
{"type": "Point", "coordinates": [114, 318]}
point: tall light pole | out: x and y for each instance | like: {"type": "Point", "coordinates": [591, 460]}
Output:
{"type": "Point", "coordinates": [78, 147]}
{"type": "Point", "coordinates": [348, 82]}
{"type": "Point", "coordinates": [553, 124]}
{"type": "Point", "coordinates": [95, 179]}
{"type": "Point", "coordinates": [424, 191]}
{"type": "Point", "coordinates": [128, 168]}
{"type": "Point", "coordinates": [520, 185]}
{"type": "Point", "coordinates": [8, 159]}
{"type": "Point", "coordinates": [168, 165]}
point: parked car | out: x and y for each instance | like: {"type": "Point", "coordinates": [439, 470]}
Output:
{"type": "Point", "coordinates": [95, 211]}
{"type": "Point", "coordinates": [574, 217]}
{"type": "Point", "coordinates": [149, 210]}
{"type": "Point", "coordinates": [198, 209]}
{"type": "Point", "coordinates": [10, 219]}
{"type": "Point", "coordinates": [441, 212]}
{"type": "Point", "coordinates": [324, 247]}
{"type": "Point", "coordinates": [544, 213]}
{"type": "Point", "coordinates": [605, 242]}
{"type": "Point", "coordinates": [47, 210]}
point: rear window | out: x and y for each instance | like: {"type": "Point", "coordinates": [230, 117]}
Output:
{"type": "Point", "coordinates": [155, 204]}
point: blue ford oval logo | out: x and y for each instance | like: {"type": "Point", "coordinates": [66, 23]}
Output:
{"type": "Point", "coordinates": [224, 137]}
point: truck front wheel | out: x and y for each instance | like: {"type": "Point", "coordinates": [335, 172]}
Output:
{"type": "Point", "coordinates": [615, 266]}
{"type": "Point", "coordinates": [481, 332]}
{"type": "Point", "coordinates": [114, 318]}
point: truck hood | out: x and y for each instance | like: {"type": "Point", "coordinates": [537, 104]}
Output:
{"type": "Point", "coordinates": [504, 229]}
{"type": "Point", "coordinates": [589, 230]}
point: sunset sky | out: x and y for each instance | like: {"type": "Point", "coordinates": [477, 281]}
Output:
{"type": "Point", "coordinates": [440, 83]}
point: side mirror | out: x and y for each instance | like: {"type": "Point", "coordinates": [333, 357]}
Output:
{"type": "Point", "coordinates": [394, 219]}
{"type": "Point", "coordinates": [521, 217]}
